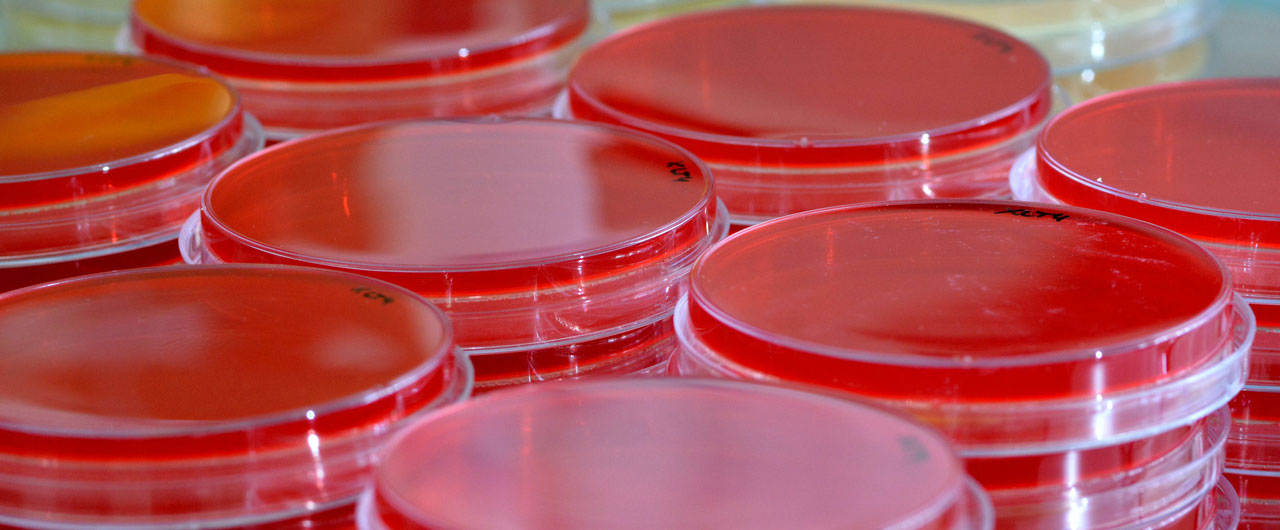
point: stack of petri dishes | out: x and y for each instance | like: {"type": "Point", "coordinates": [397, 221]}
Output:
{"type": "Point", "coordinates": [1199, 158]}
{"type": "Point", "coordinates": [558, 249]}
{"type": "Point", "coordinates": [1095, 46]}
{"type": "Point", "coordinates": [1080, 360]}
{"type": "Point", "coordinates": [796, 108]}
{"type": "Point", "coordinates": [232, 396]}
{"type": "Point", "coordinates": [309, 66]}
{"type": "Point", "coordinates": [670, 453]}
{"type": "Point", "coordinates": [103, 158]}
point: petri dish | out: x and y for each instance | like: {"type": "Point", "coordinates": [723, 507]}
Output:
{"type": "Point", "coordinates": [216, 396]}
{"type": "Point", "coordinates": [61, 24]}
{"type": "Point", "coordinates": [1014, 327]}
{"type": "Point", "coordinates": [1147, 483]}
{"type": "Point", "coordinates": [563, 241]}
{"type": "Point", "coordinates": [1175, 177]}
{"type": "Point", "coordinates": [1255, 430]}
{"type": "Point", "coordinates": [160, 254]}
{"type": "Point", "coordinates": [669, 453]}
{"type": "Point", "coordinates": [107, 153]}
{"type": "Point", "coordinates": [796, 108]}
{"type": "Point", "coordinates": [379, 60]}
{"type": "Point", "coordinates": [1258, 492]}
{"type": "Point", "coordinates": [1185, 62]}
{"type": "Point", "coordinates": [1078, 35]}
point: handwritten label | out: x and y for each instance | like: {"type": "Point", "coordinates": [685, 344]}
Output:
{"type": "Point", "coordinates": [373, 295]}
{"type": "Point", "coordinates": [1038, 214]}
{"type": "Point", "coordinates": [680, 170]}
{"type": "Point", "coordinates": [994, 41]}
{"type": "Point", "coordinates": [914, 449]}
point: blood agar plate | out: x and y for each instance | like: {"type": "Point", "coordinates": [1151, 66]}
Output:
{"type": "Point", "coordinates": [670, 453]}
{"type": "Point", "coordinates": [1014, 327]}
{"type": "Point", "coordinates": [321, 64]}
{"type": "Point", "coordinates": [570, 239]}
{"type": "Point", "coordinates": [227, 395]}
{"type": "Point", "coordinates": [796, 108]}
{"type": "Point", "coordinates": [107, 153]}
{"type": "Point", "coordinates": [1198, 157]}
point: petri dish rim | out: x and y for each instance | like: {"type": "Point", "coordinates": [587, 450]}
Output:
{"type": "Point", "coordinates": [549, 35]}
{"type": "Point", "coordinates": [209, 216]}
{"type": "Point", "coordinates": [1223, 301]}
{"type": "Point", "coordinates": [146, 429]}
{"type": "Point", "coordinates": [1046, 160]}
{"type": "Point", "coordinates": [967, 492]}
{"type": "Point", "coordinates": [1043, 95]}
{"type": "Point", "coordinates": [234, 115]}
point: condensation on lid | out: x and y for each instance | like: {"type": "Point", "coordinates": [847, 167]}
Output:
{"type": "Point", "coordinates": [993, 300]}
{"type": "Point", "coordinates": [213, 357]}
{"type": "Point", "coordinates": [1198, 157]}
{"type": "Point", "coordinates": [500, 199]}
{"type": "Point", "coordinates": [669, 453]}
{"type": "Point", "coordinates": [815, 84]}
{"type": "Point", "coordinates": [333, 40]}
{"type": "Point", "coordinates": [77, 124]}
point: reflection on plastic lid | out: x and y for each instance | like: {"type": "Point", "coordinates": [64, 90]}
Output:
{"type": "Point", "coordinates": [961, 310]}
{"type": "Point", "coordinates": [1190, 156]}
{"type": "Point", "coordinates": [232, 391]}
{"type": "Point", "coordinates": [525, 231]}
{"type": "Point", "coordinates": [319, 64]}
{"type": "Point", "coordinates": [107, 150]}
{"type": "Point", "coordinates": [827, 97]}
{"type": "Point", "coordinates": [670, 453]}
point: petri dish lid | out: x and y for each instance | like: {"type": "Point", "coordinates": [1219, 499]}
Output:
{"type": "Point", "coordinates": [82, 126]}
{"type": "Point", "coordinates": [671, 453]}
{"type": "Point", "coordinates": [815, 85]}
{"type": "Point", "coordinates": [979, 302]}
{"type": "Point", "coordinates": [1189, 156]}
{"type": "Point", "coordinates": [382, 39]}
{"type": "Point", "coordinates": [455, 207]}
{"type": "Point", "coordinates": [187, 361]}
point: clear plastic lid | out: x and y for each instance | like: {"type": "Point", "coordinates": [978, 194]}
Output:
{"type": "Point", "coordinates": [104, 152]}
{"type": "Point", "coordinates": [1013, 326]}
{"type": "Point", "coordinates": [527, 232]}
{"type": "Point", "coordinates": [857, 103]}
{"type": "Point", "coordinates": [670, 453]}
{"type": "Point", "coordinates": [1147, 483]}
{"type": "Point", "coordinates": [1188, 156]}
{"type": "Point", "coordinates": [338, 40]}
{"type": "Point", "coordinates": [151, 397]}
{"type": "Point", "coordinates": [316, 65]}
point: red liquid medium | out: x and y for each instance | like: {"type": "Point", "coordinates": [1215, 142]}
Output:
{"type": "Point", "coordinates": [670, 453]}
{"type": "Point", "coordinates": [972, 304]}
{"type": "Point", "coordinates": [186, 393]}
{"type": "Point", "coordinates": [526, 232]}
{"type": "Point", "coordinates": [859, 104]}
{"type": "Point", "coordinates": [1196, 157]}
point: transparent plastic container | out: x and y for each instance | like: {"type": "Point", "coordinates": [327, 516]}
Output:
{"type": "Point", "coordinates": [796, 108]}
{"type": "Point", "coordinates": [1206, 129]}
{"type": "Point", "coordinates": [1185, 62]}
{"type": "Point", "coordinates": [106, 154]}
{"type": "Point", "coordinates": [1156, 482]}
{"type": "Point", "coordinates": [1013, 327]}
{"type": "Point", "coordinates": [670, 453]}
{"type": "Point", "coordinates": [556, 248]}
{"type": "Point", "coordinates": [226, 396]}
{"type": "Point", "coordinates": [61, 24]}
{"type": "Point", "coordinates": [372, 61]}
{"type": "Point", "coordinates": [1259, 493]}
{"type": "Point", "coordinates": [1075, 34]}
